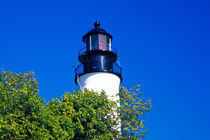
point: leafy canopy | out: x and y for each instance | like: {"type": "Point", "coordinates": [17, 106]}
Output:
{"type": "Point", "coordinates": [81, 115]}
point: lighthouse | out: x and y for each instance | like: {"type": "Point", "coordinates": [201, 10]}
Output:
{"type": "Point", "coordinates": [98, 69]}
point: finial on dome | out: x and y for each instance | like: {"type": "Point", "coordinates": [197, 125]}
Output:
{"type": "Point", "coordinates": [97, 24]}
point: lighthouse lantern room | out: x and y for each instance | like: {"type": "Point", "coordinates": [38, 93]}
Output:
{"type": "Point", "coordinates": [99, 69]}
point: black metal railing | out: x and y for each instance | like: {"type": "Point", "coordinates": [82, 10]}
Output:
{"type": "Point", "coordinates": [82, 51]}
{"type": "Point", "coordinates": [116, 69]}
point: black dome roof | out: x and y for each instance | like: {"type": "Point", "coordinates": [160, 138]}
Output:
{"type": "Point", "coordinates": [96, 30]}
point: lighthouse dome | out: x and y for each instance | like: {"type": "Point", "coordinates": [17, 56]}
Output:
{"type": "Point", "coordinates": [96, 30]}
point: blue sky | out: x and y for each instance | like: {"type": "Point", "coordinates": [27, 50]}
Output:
{"type": "Point", "coordinates": [163, 45]}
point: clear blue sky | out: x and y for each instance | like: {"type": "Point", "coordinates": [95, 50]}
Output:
{"type": "Point", "coordinates": [163, 45]}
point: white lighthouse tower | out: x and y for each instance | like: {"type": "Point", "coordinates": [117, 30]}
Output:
{"type": "Point", "coordinates": [98, 69]}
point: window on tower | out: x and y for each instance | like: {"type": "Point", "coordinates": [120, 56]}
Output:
{"type": "Point", "coordinates": [94, 42]}
{"type": "Point", "coordinates": [87, 44]}
{"type": "Point", "coordinates": [98, 42]}
{"type": "Point", "coordinates": [102, 43]}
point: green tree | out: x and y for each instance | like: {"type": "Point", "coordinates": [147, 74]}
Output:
{"type": "Point", "coordinates": [22, 111]}
{"type": "Point", "coordinates": [133, 107]}
{"type": "Point", "coordinates": [85, 115]}
{"type": "Point", "coordinates": [81, 115]}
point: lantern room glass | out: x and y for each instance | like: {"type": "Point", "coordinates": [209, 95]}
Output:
{"type": "Point", "coordinates": [98, 42]}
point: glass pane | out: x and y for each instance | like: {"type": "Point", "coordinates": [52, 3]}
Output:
{"type": "Point", "coordinates": [94, 42]}
{"type": "Point", "coordinates": [87, 43]}
{"type": "Point", "coordinates": [109, 41]}
{"type": "Point", "coordinates": [102, 42]}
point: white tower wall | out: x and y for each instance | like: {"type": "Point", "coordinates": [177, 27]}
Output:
{"type": "Point", "coordinates": [99, 81]}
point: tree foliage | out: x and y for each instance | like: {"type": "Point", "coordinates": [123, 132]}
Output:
{"type": "Point", "coordinates": [133, 107]}
{"type": "Point", "coordinates": [81, 115]}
